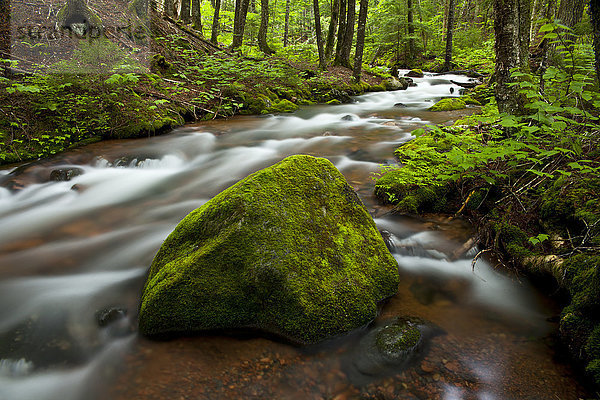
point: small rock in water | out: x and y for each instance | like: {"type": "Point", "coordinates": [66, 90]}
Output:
{"type": "Point", "coordinates": [451, 90]}
{"type": "Point", "coordinates": [65, 174]}
{"type": "Point", "coordinates": [387, 238]}
{"type": "Point", "coordinates": [349, 117]}
{"type": "Point", "coordinates": [401, 105]}
{"type": "Point", "coordinates": [109, 315]}
{"type": "Point", "coordinates": [78, 187]}
{"type": "Point", "coordinates": [114, 321]}
{"type": "Point", "coordinates": [389, 348]}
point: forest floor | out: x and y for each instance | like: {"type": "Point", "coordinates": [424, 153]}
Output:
{"type": "Point", "coordinates": [104, 91]}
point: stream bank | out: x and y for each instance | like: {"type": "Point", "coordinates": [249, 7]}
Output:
{"type": "Point", "coordinates": [101, 93]}
{"type": "Point", "coordinates": [532, 202]}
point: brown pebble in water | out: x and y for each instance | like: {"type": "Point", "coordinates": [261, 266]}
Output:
{"type": "Point", "coordinates": [427, 367]}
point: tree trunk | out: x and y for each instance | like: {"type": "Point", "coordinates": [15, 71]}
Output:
{"type": "Point", "coordinates": [76, 16]}
{"type": "Point", "coordinates": [215, 25]}
{"type": "Point", "coordinates": [241, 10]}
{"type": "Point", "coordinates": [341, 29]}
{"type": "Point", "coordinates": [411, 31]}
{"type": "Point", "coordinates": [423, 34]}
{"type": "Point", "coordinates": [511, 27]}
{"type": "Point", "coordinates": [570, 13]}
{"type": "Point", "coordinates": [5, 36]}
{"type": "Point", "coordinates": [360, 39]}
{"type": "Point", "coordinates": [317, 14]}
{"type": "Point", "coordinates": [196, 15]}
{"type": "Point", "coordinates": [535, 10]}
{"type": "Point", "coordinates": [286, 29]}
{"type": "Point", "coordinates": [335, 12]}
{"type": "Point", "coordinates": [449, 29]}
{"type": "Point", "coordinates": [346, 48]}
{"type": "Point", "coordinates": [594, 11]}
{"type": "Point", "coordinates": [169, 8]}
{"type": "Point", "coordinates": [185, 14]}
{"type": "Point", "coordinates": [264, 27]}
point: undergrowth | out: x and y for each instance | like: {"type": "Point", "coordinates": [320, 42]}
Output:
{"type": "Point", "coordinates": [530, 184]}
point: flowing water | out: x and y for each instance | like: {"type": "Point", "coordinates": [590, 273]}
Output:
{"type": "Point", "coordinates": [78, 232]}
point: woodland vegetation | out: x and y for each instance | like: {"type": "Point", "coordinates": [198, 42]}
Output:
{"type": "Point", "coordinates": [525, 170]}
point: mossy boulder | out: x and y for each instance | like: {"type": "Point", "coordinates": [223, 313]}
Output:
{"type": "Point", "coordinates": [415, 73]}
{"type": "Point", "coordinates": [256, 105]}
{"type": "Point", "coordinates": [470, 100]}
{"type": "Point", "coordinates": [449, 104]}
{"type": "Point", "coordinates": [290, 249]}
{"type": "Point", "coordinates": [395, 84]}
{"type": "Point", "coordinates": [377, 88]}
{"type": "Point", "coordinates": [282, 106]}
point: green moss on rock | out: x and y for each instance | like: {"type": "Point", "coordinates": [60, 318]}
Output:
{"type": "Point", "coordinates": [395, 84]}
{"type": "Point", "coordinates": [449, 104]}
{"type": "Point", "coordinates": [282, 106]}
{"type": "Point", "coordinates": [256, 105]}
{"type": "Point", "coordinates": [377, 88]}
{"type": "Point", "coordinates": [470, 100]}
{"type": "Point", "coordinates": [415, 73]}
{"type": "Point", "coordinates": [398, 338]}
{"type": "Point", "coordinates": [290, 249]}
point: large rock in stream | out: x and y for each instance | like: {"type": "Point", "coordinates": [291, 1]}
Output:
{"type": "Point", "coordinates": [290, 250]}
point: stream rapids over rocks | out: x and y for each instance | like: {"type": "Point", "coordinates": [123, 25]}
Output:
{"type": "Point", "coordinates": [78, 232]}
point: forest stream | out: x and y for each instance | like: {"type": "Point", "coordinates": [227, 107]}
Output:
{"type": "Point", "coordinates": [78, 232]}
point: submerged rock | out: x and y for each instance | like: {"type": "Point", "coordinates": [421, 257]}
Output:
{"type": "Point", "coordinates": [290, 249]}
{"type": "Point", "coordinates": [390, 347]}
{"type": "Point", "coordinates": [65, 174]}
